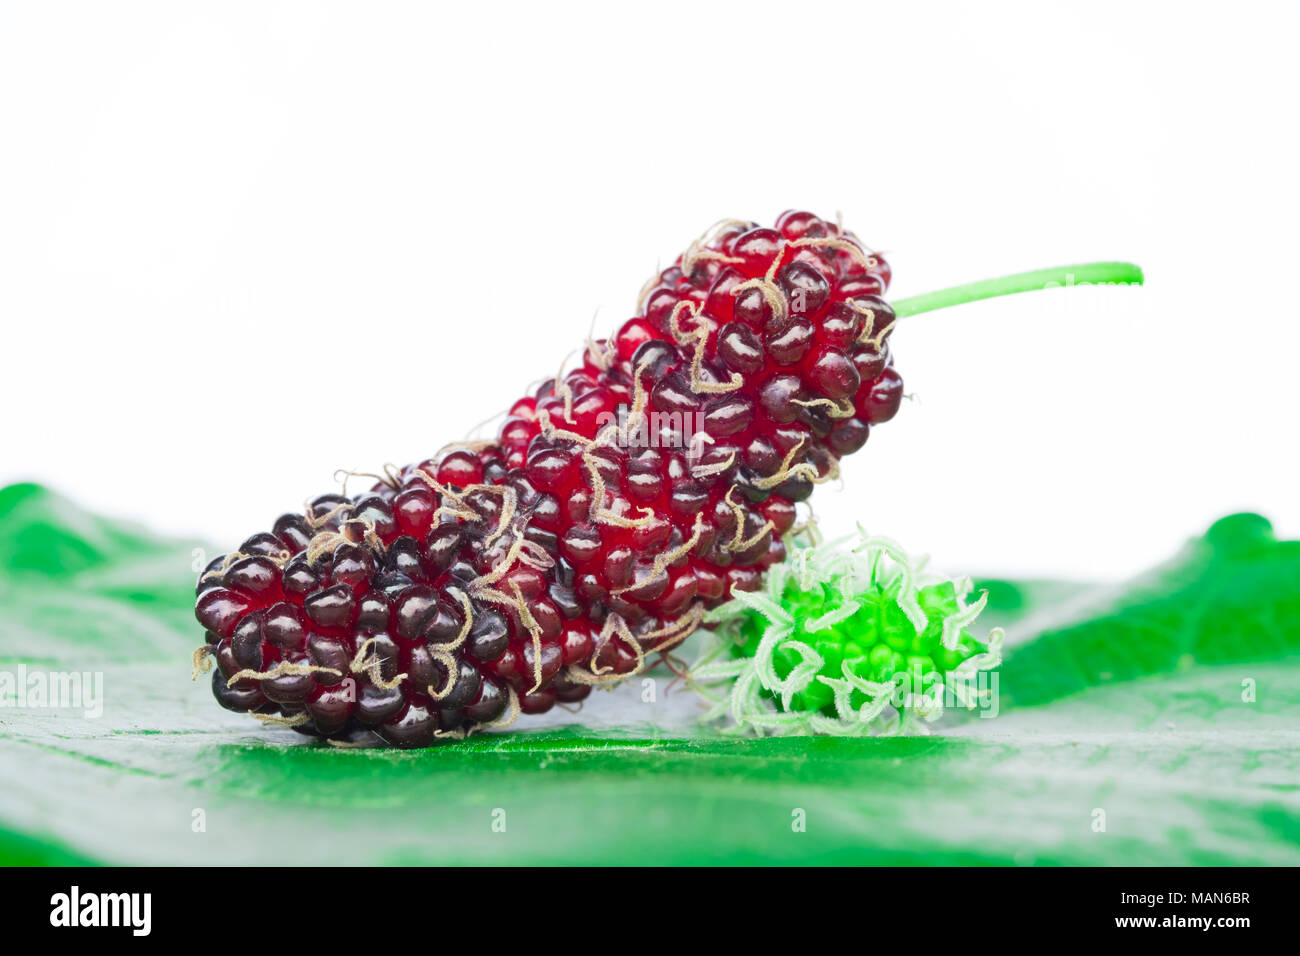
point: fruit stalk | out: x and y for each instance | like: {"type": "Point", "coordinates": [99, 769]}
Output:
{"type": "Point", "coordinates": [1085, 273]}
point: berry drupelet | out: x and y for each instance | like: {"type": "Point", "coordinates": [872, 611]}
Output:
{"type": "Point", "coordinates": [615, 506]}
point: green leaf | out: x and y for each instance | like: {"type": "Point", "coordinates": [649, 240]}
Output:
{"type": "Point", "coordinates": [1186, 770]}
{"type": "Point", "coordinates": [1232, 596]}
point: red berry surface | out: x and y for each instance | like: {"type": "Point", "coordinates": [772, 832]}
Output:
{"type": "Point", "coordinates": [615, 505]}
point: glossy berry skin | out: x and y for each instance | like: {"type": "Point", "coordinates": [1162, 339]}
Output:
{"type": "Point", "coordinates": [614, 506]}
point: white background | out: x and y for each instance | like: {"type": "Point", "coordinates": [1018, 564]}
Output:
{"type": "Point", "coordinates": [244, 245]}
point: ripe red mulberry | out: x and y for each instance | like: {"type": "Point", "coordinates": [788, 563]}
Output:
{"type": "Point", "coordinates": [616, 504]}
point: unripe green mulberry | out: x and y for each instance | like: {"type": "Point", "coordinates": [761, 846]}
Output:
{"type": "Point", "coordinates": [847, 642]}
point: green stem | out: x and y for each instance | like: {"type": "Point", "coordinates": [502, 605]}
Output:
{"type": "Point", "coordinates": [1092, 273]}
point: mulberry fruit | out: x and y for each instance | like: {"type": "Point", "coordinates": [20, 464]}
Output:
{"type": "Point", "coordinates": [616, 505]}
{"type": "Point", "coordinates": [848, 643]}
